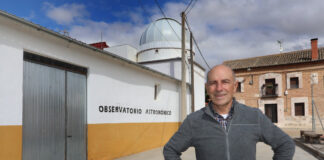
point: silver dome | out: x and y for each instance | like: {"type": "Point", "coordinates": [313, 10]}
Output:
{"type": "Point", "coordinates": [161, 30]}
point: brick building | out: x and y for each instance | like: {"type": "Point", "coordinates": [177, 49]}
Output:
{"type": "Point", "coordinates": [280, 85]}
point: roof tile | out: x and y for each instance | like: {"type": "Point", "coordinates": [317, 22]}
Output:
{"type": "Point", "coordinates": [275, 59]}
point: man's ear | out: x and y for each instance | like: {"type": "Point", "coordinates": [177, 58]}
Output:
{"type": "Point", "coordinates": [235, 85]}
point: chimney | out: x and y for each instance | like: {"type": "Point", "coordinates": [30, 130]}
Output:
{"type": "Point", "coordinates": [314, 49]}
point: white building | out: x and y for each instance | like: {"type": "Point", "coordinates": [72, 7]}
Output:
{"type": "Point", "coordinates": [160, 49]}
{"type": "Point", "coordinates": [63, 99]}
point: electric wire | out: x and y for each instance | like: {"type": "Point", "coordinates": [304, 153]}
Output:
{"type": "Point", "coordinates": [154, 23]}
{"type": "Point", "coordinates": [163, 107]}
{"type": "Point", "coordinates": [187, 63]}
{"type": "Point", "coordinates": [157, 3]}
{"type": "Point", "coordinates": [194, 39]}
{"type": "Point", "coordinates": [188, 5]}
{"type": "Point", "coordinates": [191, 7]}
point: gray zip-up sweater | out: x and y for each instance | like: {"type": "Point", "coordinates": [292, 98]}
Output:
{"type": "Point", "coordinates": [247, 127]}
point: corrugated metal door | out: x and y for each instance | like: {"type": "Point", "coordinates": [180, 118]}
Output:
{"type": "Point", "coordinates": [54, 113]}
{"type": "Point", "coordinates": [43, 112]}
{"type": "Point", "coordinates": [76, 119]}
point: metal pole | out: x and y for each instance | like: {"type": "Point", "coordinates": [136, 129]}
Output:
{"type": "Point", "coordinates": [313, 117]}
{"type": "Point", "coordinates": [319, 118]}
{"type": "Point", "coordinates": [192, 76]}
{"type": "Point", "coordinates": [183, 70]}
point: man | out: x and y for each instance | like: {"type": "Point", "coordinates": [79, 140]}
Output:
{"type": "Point", "coordinates": [226, 129]}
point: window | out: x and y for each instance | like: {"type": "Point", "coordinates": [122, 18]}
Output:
{"type": "Point", "coordinates": [238, 89]}
{"type": "Point", "coordinates": [294, 80]}
{"type": "Point", "coordinates": [240, 84]}
{"type": "Point", "coordinates": [299, 109]}
{"type": "Point", "coordinates": [270, 87]}
{"type": "Point", "coordinates": [157, 88]}
{"type": "Point", "coordinates": [155, 91]}
{"type": "Point", "coordinates": [294, 83]}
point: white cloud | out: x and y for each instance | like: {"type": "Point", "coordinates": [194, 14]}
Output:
{"type": "Point", "coordinates": [81, 27]}
{"type": "Point", "coordinates": [224, 29]}
{"type": "Point", "coordinates": [113, 33]}
{"type": "Point", "coordinates": [65, 14]}
{"type": "Point", "coordinates": [233, 29]}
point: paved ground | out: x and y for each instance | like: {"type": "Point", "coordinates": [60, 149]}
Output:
{"type": "Point", "coordinates": [264, 152]}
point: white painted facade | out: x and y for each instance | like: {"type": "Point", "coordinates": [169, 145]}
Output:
{"type": "Point", "coordinates": [111, 81]}
{"type": "Point", "coordinates": [160, 49]}
{"type": "Point", "coordinates": [125, 51]}
{"type": "Point", "coordinates": [124, 98]}
{"type": "Point", "coordinates": [171, 68]}
{"type": "Point", "coordinates": [11, 80]}
{"type": "Point", "coordinates": [162, 40]}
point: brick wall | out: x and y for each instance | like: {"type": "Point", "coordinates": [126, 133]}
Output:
{"type": "Point", "coordinates": [286, 118]}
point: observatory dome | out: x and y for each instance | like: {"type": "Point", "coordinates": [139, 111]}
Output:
{"type": "Point", "coordinates": [161, 40]}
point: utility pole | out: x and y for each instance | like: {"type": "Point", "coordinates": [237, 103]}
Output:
{"type": "Point", "coordinates": [192, 76]}
{"type": "Point", "coordinates": [183, 69]}
{"type": "Point", "coordinates": [313, 116]}
{"type": "Point", "coordinates": [314, 106]}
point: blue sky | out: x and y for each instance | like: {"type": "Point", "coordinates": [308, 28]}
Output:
{"type": "Point", "coordinates": [100, 10]}
{"type": "Point", "coordinates": [224, 29]}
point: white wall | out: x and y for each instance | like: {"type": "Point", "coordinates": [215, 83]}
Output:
{"type": "Point", "coordinates": [123, 86]}
{"type": "Point", "coordinates": [125, 51]}
{"type": "Point", "coordinates": [11, 75]}
{"type": "Point", "coordinates": [199, 80]}
{"type": "Point", "coordinates": [158, 54]}
{"type": "Point", "coordinates": [173, 68]}
{"type": "Point", "coordinates": [110, 82]}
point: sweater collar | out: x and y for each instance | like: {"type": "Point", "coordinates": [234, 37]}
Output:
{"type": "Point", "coordinates": [209, 109]}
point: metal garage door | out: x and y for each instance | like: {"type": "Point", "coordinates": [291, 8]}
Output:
{"type": "Point", "coordinates": [54, 111]}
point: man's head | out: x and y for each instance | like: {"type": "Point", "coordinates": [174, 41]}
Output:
{"type": "Point", "coordinates": [221, 85]}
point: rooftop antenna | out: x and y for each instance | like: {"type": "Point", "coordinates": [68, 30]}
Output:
{"type": "Point", "coordinates": [280, 45]}
{"type": "Point", "coordinates": [101, 39]}
{"type": "Point", "coordinates": [64, 32]}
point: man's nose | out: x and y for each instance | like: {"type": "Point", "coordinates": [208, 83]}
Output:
{"type": "Point", "coordinates": [219, 87]}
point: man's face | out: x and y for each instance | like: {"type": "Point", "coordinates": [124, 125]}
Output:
{"type": "Point", "coordinates": [221, 86]}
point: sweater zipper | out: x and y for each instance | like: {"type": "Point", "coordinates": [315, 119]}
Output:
{"type": "Point", "coordinates": [227, 142]}
{"type": "Point", "coordinates": [227, 147]}
{"type": "Point", "coordinates": [226, 137]}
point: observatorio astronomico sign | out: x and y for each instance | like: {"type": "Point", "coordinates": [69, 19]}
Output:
{"type": "Point", "coordinates": [132, 110]}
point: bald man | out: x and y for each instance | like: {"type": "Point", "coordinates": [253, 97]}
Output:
{"type": "Point", "coordinates": [226, 129]}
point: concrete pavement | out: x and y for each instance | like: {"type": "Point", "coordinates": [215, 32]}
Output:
{"type": "Point", "coordinates": [264, 152]}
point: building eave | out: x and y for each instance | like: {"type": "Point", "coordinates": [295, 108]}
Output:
{"type": "Point", "coordinates": [80, 43]}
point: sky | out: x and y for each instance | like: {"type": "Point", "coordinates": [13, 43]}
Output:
{"type": "Point", "coordinates": [224, 29]}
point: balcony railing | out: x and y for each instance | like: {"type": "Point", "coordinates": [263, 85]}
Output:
{"type": "Point", "coordinates": [269, 90]}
